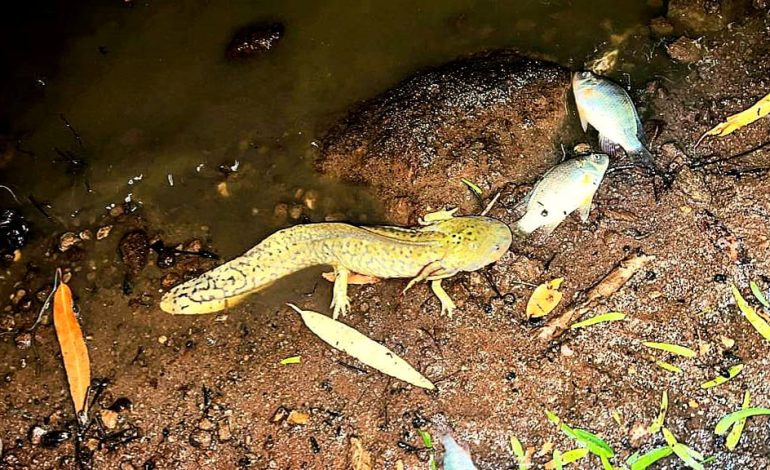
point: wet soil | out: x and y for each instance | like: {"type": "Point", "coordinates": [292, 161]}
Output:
{"type": "Point", "coordinates": [209, 392]}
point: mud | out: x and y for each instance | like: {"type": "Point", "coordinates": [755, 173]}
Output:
{"type": "Point", "coordinates": [209, 392]}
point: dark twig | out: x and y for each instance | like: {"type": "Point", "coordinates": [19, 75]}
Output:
{"type": "Point", "coordinates": [72, 129]}
{"type": "Point", "coordinates": [745, 153]}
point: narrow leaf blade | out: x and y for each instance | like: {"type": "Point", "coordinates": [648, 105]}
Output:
{"type": "Point", "coordinates": [606, 317]}
{"type": "Point", "coordinates": [73, 347]}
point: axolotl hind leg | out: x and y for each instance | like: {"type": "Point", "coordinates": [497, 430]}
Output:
{"type": "Point", "coordinates": [447, 305]}
{"type": "Point", "coordinates": [340, 301]}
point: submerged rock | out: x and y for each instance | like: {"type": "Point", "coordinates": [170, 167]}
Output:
{"type": "Point", "coordinates": [490, 118]}
{"type": "Point", "coordinates": [14, 231]}
{"type": "Point", "coordinates": [254, 40]}
{"type": "Point", "coordinates": [134, 250]}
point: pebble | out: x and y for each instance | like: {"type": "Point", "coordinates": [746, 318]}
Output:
{"type": "Point", "coordinates": [295, 212]}
{"type": "Point", "coordinates": [162, 339]}
{"type": "Point", "coordinates": [200, 439]}
{"type": "Point", "coordinates": [85, 235]}
{"type": "Point", "coordinates": [224, 434]}
{"type": "Point", "coordinates": [109, 418]}
{"type": "Point", "coordinates": [205, 424]}
{"type": "Point", "coordinates": [311, 199]}
{"type": "Point", "coordinates": [297, 417]}
{"type": "Point", "coordinates": [134, 249]}
{"type": "Point", "coordinates": [685, 50]}
{"type": "Point", "coordinates": [281, 211]}
{"type": "Point", "coordinates": [117, 211]}
{"type": "Point", "coordinates": [103, 232]}
{"type": "Point", "coordinates": [17, 296]}
{"type": "Point", "coordinates": [36, 435]}
{"type": "Point", "coordinates": [23, 340]}
{"type": "Point", "coordinates": [280, 414]}
{"type": "Point", "coordinates": [67, 241]}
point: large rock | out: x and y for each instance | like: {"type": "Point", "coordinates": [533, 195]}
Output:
{"type": "Point", "coordinates": [491, 119]}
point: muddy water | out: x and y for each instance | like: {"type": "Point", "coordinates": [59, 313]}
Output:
{"type": "Point", "coordinates": [157, 108]}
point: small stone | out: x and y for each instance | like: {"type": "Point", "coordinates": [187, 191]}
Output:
{"type": "Point", "coordinates": [7, 323]}
{"type": "Point", "coordinates": [639, 434]}
{"type": "Point", "coordinates": [311, 199]}
{"type": "Point", "coordinates": [281, 211]}
{"type": "Point", "coordinates": [566, 351]}
{"type": "Point", "coordinates": [582, 148]}
{"type": "Point", "coordinates": [134, 250]}
{"type": "Point", "coordinates": [223, 433]}
{"type": "Point", "coordinates": [728, 343]}
{"type": "Point", "coordinates": [103, 232]}
{"type": "Point", "coordinates": [685, 50]}
{"type": "Point", "coordinates": [223, 190]}
{"type": "Point", "coordinates": [200, 439]}
{"type": "Point", "coordinates": [92, 444]}
{"type": "Point", "coordinates": [127, 466]}
{"type": "Point", "coordinates": [67, 241]}
{"type": "Point", "coordinates": [297, 417]}
{"type": "Point", "coordinates": [280, 414]}
{"type": "Point", "coordinates": [193, 246]}
{"type": "Point", "coordinates": [169, 280]}
{"type": "Point", "coordinates": [760, 4]}
{"type": "Point", "coordinates": [86, 235]}
{"type": "Point", "coordinates": [661, 27]}
{"type": "Point", "coordinates": [295, 212]}
{"type": "Point", "coordinates": [109, 418]}
{"type": "Point", "coordinates": [205, 424]}
{"type": "Point", "coordinates": [23, 340]}
{"type": "Point", "coordinates": [692, 403]}
{"type": "Point", "coordinates": [117, 211]}
{"type": "Point", "coordinates": [36, 435]}
{"type": "Point", "coordinates": [17, 296]}
{"type": "Point", "coordinates": [162, 339]}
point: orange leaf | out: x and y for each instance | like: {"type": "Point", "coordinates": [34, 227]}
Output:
{"type": "Point", "coordinates": [73, 347]}
{"type": "Point", "coordinates": [544, 299]}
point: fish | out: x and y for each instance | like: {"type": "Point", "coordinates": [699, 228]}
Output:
{"type": "Point", "coordinates": [606, 106]}
{"type": "Point", "coordinates": [566, 187]}
{"type": "Point", "coordinates": [455, 456]}
{"type": "Point", "coordinates": [432, 252]}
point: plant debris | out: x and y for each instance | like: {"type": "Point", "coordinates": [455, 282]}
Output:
{"type": "Point", "coordinates": [724, 424]}
{"type": "Point", "coordinates": [720, 379]}
{"type": "Point", "coordinates": [545, 298]}
{"type": "Point", "coordinates": [758, 294]}
{"type": "Point", "coordinates": [518, 452]}
{"type": "Point", "coordinates": [291, 360]}
{"type": "Point", "coordinates": [605, 317]}
{"type": "Point", "coordinates": [756, 111]}
{"type": "Point", "coordinates": [689, 456]}
{"type": "Point", "coordinates": [751, 315]}
{"type": "Point", "coordinates": [473, 187]}
{"type": "Point", "coordinates": [641, 462]}
{"type": "Point", "coordinates": [348, 340]}
{"type": "Point", "coordinates": [672, 348]}
{"type": "Point", "coordinates": [658, 423]}
{"type": "Point", "coordinates": [668, 366]}
{"type": "Point", "coordinates": [735, 434]}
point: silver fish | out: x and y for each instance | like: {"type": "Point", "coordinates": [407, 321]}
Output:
{"type": "Point", "coordinates": [606, 106]}
{"type": "Point", "coordinates": [567, 187]}
{"type": "Point", "coordinates": [455, 457]}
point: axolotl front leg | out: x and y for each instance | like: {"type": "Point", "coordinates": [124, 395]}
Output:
{"type": "Point", "coordinates": [340, 300]}
{"type": "Point", "coordinates": [435, 273]}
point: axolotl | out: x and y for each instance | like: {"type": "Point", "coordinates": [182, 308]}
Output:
{"type": "Point", "coordinates": [432, 252]}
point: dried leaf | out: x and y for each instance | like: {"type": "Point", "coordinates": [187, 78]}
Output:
{"type": "Point", "coordinates": [672, 348]}
{"type": "Point", "coordinates": [73, 349]}
{"type": "Point", "coordinates": [346, 339]}
{"type": "Point", "coordinates": [751, 315]}
{"type": "Point", "coordinates": [724, 424]}
{"type": "Point", "coordinates": [735, 434]}
{"type": "Point", "coordinates": [606, 317]}
{"type": "Point", "coordinates": [360, 459]}
{"type": "Point", "coordinates": [720, 379]}
{"type": "Point", "coordinates": [758, 110]}
{"type": "Point", "coordinates": [544, 299]}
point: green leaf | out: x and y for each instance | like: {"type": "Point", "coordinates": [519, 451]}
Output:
{"type": "Point", "coordinates": [645, 460]}
{"type": "Point", "coordinates": [518, 451]}
{"type": "Point", "coordinates": [724, 424]}
{"type": "Point", "coordinates": [574, 455]}
{"type": "Point", "coordinates": [291, 360]}
{"type": "Point", "coordinates": [552, 417]}
{"type": "Point", "coordinates": [735, 433]}
{"type": "Point", "coordinates": [751, 315]}
{"type": "Point", "coordinates": [669, 367]}
{"type": "Point", "coordinates": [758, 294]}
{"type": "Point", "coordinates": [472, 186]}
{"type": "Point", "coordinates": [426, 439]}
{"type": "Point", "coordinates": [687, 455]}
{"type": "Point", "coordinates": [672, 348]}
{"type": "Point", "coordinates": [557, 463]}
{"type": "Point", "coordinates": [611, 316]}
{"type": "Point", "coordinates": [670, 439]}
{"type": "Point", "coordinates": [658, 423]}
{"type": "Point", "coordinates": [606, 463]}
{"type": "Point", "coordinates": [594, 443]}
{"type": "Point", "coordinates": [720, 379]}
{"type": "Point", "coordinates": [433, 463]}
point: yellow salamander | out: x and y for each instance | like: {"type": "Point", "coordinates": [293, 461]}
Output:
{"type": "Point", "coordinates": [433, 252]}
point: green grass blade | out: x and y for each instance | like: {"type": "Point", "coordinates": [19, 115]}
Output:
{"type": "Point", "coordinates": [606, 317]}
{"type": "Point", "coordinates": [473, 187]}
{"type": "Point", "coordinates": [720, 379]}
{"type": "Point", "coordinates": [669, 367]}
{"type": "Point", "coordinates": [291, 360]}
{"type": "Point", "coordinates": [573, 455]}
{"type": "Point", "coordinates": [724, 424]}
{"type": "Point", "coordinates": [518, 451]}
{"type": "Point", "coordinates": [426, 439]}
{"type": "Point", "coordinates": [751, 315]}
{"type": "Point", "coordinates": [594, 443]}
{"type": "Point", "coordinates": [758, 294]}
{"type": "Point", "coordinates": [557, 463]}
{"type": "Point", "coordinates": [735, 433]}
{"type": "Point", "coordinates": [644, 461]}
{"type": "Point", "coordinates": [672, 348]}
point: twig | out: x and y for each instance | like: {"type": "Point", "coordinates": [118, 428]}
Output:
{"type": "Point", "coordinates": [46, 303]}
{"type": "Point", "coordinates": [731, 157]}
{"type": "Point", "coordinates": [72, 129]}
{"type": "Point", "coordinates": [491, 203]}
{"type": "Point", "coordinates": [10, 191]}
{"type": "Point", "coordinates": [610, 284]}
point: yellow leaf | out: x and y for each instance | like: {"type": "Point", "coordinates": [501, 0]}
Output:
{"type": "Point", "coordinates": [73, 349]}
{"type": "Point", "coordinates": [759, 110]}
{"type": "Point", "coordinates": [751, 315]}
{"type": "Point", "coordinates": [544, 299]}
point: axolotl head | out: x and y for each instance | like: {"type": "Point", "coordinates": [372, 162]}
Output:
{"type": "Point", "coordinates": [473, 242]}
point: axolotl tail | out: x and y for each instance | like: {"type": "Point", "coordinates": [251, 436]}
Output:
{"type": "Point", "coordinates": [279, 255]}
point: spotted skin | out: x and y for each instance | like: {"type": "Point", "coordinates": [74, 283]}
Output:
{"type": "Point", "coordinates": [433, 252]}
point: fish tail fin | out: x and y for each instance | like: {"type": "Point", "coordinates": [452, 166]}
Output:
{"type": "Point", "coordinates": [228, 284]}
{"type": "Point", "coordinates": [645, 158]}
